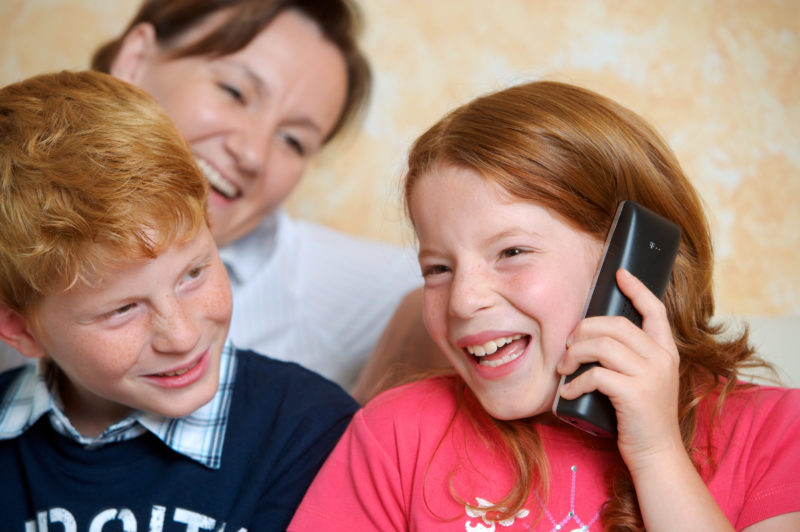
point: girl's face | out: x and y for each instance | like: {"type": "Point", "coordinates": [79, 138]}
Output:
{"type": "Point", "coordinates": [506, 282]}
{"type": "Point", "coordinates": [253, 118]}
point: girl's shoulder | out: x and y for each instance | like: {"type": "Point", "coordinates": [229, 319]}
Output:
{"type": "Point", "coordinates": [433, 397]}
{"type": "Point", "coordinates": [751, 421]}
{"type": "Point", "coordinates": [756, 403]}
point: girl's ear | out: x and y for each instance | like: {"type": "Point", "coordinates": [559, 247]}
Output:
{"type": "Point", "coordinates": [15, 332]}
{"type": "Point", "coordinates": [137, 45]}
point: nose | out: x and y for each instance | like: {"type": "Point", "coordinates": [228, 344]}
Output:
{"type": "Point", "coordinates": [471, 291]}
{"type": "Point", "coordinates": [175, 330]}
{"type": "Point", "coordinates": [249, 145]}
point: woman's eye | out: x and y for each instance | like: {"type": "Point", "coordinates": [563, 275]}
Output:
{"type": "Point", "coordinates": [294, 144]}
{"type": "Point", "coordinates": [234, 92]}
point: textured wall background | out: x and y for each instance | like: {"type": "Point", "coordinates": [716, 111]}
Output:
{"type": "Point", "coordinates": [719, 78]}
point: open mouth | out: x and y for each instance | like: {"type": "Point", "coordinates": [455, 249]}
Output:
{"type": "Point", "coordinates": [220, 185]}
{"type": "Point", "coordinates": [499, 351]}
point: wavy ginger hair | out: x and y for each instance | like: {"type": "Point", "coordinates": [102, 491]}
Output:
{"type": "Point", "coordinates": [92, 172]}
{"type": "Point", "coordinates": [580, 154]}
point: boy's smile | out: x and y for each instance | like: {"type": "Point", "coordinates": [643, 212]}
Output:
{"type": "Point", "coordinates": [146, 335]}
{"type": "Point", "coordinates": [506, 282]}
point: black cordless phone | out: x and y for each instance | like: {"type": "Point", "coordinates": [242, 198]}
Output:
{"type": "Point", "coordinates": [645, 244]}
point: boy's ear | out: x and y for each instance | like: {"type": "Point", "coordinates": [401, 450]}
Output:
{"type": "Point", "coordinates": [15, 332]}
{"type": "Point", "coordinates": [133, 52]}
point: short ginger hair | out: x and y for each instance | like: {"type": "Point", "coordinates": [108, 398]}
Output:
{"type": "Point", "coordinates": [92, 173]}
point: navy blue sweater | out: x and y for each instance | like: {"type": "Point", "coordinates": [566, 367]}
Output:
{"type": "Point", "coordinates": [283, 422]}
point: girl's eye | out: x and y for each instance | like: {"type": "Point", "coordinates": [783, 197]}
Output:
{"type": "Point", "coordinates": [511, 252]}
{"type": "Point", "coordinates": [435, 269]}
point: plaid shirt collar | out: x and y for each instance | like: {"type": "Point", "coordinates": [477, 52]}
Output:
{"type": "Point", "coordinates": [199, 435]}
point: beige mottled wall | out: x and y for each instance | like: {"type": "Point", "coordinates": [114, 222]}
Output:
{"type": "Point", "coordinates": [719, 78]}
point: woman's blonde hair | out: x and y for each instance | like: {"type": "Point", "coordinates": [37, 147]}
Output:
{"type": "Point", "coordinates": [92, 171]}
{"type": "Point", "coordinates": [580, 154]}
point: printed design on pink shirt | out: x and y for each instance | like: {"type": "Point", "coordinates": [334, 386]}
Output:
{"type": "Point", "coordinates": [487, 524]}
{"type": "Point", "coordinates": [572, 515]}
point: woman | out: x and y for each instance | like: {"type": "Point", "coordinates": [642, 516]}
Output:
{"type": "Point", "coordinates": [258, 88]}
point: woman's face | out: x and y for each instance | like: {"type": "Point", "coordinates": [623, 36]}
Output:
{"type": "Point", "coordinates": [506, 282]}
{"type": "Point", "coordinates": [253, 118]}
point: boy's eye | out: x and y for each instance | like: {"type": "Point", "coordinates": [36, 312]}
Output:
{"type": "Point", "coordinates": [124, 309]}
{"type": "Point", "coordinates": [194, 273]}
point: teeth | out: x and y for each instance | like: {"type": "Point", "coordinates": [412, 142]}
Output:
{"type": "Point", "coordinates": [178, 372]}
{"type": "Point", "coordinates": [216, 180]}
{"type": "Point", "coordinates": [491, 346]}
{"type": "Point", "coordinates": [504, 360]}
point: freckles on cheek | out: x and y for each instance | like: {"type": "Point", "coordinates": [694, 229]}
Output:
{"type": "Point", "coordinates": [434, 315]}
{"type": "Point", "coordinates": [218, 301]}
{"type": "Point", "coordinates": [113, 355]}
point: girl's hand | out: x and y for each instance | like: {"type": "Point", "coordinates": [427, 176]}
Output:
{"type": "Point", "coordinates": [638, 372]}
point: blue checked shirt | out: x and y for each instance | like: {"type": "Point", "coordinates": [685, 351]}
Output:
{"type": "Point", "coordinates": [199, 435]}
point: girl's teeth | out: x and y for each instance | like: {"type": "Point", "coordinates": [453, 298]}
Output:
{"type": "Point", "coordinates": [504, 360]}
{"type": "Point", "coordinates": [491, 346]}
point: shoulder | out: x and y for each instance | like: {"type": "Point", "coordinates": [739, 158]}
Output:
{"type": "Point", "coordinates": [747, 452]}
{"type": "Point", "coordinates": [760, 407]}
{"type": "Point", "coordinates": [260, 374]}
{"type": "Point", "coordinates": [296, 389]}
{"type": "Point", "coordinates": [753, 428]}
{"type": "Point", "coordinates": [414, 407]}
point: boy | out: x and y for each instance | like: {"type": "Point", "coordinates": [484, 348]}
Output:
{"type": "Point", "coordinates": [139, 413]}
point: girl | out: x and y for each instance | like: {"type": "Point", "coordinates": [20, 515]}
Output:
{"type": "Point", "coordinates": [511, 197]}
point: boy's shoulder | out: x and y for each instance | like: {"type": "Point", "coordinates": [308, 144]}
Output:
{"type": "Point", "coordinates": [294, 387]}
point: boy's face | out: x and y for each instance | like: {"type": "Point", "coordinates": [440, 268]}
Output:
{"type": "Point", "coordinates": [148, 336]}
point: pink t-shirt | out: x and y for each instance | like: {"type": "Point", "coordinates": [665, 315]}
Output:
{"type": "Point", "coordinates": [401, 465]}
